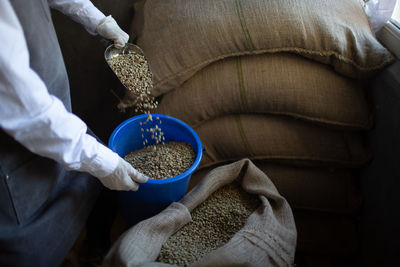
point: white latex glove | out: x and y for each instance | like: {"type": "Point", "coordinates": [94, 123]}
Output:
{"type": "Point", "coordinates": [125, 177]}
{"type": "Point", "coordinates": [109, 29]}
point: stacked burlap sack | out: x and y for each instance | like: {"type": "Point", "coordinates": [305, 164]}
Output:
{"type": "Point", "coordinates": [279, 82]}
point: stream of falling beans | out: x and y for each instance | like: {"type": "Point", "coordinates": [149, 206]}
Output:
{"type": "Point", "coordinates": [133, 71]}
{"type": "Point", "coordinates": [157, 162]}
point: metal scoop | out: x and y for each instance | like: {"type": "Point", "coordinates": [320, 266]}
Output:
{"type": "Point", "coordinates": [111, 52]}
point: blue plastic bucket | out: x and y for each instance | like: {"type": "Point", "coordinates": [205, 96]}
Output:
{"type": "Point", "coordinates": [154, 195]}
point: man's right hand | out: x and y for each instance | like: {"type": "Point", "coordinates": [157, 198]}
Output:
{"type": "Point", "coordinates": [124, 177]}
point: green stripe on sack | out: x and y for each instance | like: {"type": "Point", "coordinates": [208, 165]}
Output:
{"type": "Point", "coordinates": [242, 89]}
{"type": "Point", "coordinates": [243, 136]}
{"type": "Point", "coordinates": [239, 10]}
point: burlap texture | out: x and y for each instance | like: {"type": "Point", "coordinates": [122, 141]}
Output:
{"type": "Point", "coordinates": [267, 239]}
{"type": "Point", "coordinates": [142, 243]}
{"type": "Point", "coordinates": [309, 189]}
{"type": "Point", "coordinates": [279, 139]}
{"type": "Point", "coordinates": [285, 84]}
{"type": "Point", "coordinates": [184, 36]}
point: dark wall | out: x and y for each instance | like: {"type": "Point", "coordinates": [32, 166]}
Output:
{"type": "Point", "coordinates": [90, 78]}
{"type": "Point", "coordinates": [380, 181]}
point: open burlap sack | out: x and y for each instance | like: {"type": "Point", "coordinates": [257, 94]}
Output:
{"type": "Point", "coordinates": [285, 84]}
{"type": "Point", "coordinates": [279, 139]}
{"type": "Point", "coordinates": [267, 239]}
{"type": "Point", "coordinates": [184, 36]}
{"type": "Point", "coordinates": [309, 189]}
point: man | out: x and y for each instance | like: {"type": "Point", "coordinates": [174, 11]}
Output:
{"type": "Point", "coordinates": [47, 159]}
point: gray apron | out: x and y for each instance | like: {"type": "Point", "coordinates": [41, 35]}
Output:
{"type": "Point", "coordinates": [43, 207]}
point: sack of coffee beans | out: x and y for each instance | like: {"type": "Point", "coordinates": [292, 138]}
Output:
{"type": "Point", "coordinates": [254, 225]}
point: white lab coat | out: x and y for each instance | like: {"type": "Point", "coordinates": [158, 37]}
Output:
{"type": "Point", "coordinates": [36, 119]}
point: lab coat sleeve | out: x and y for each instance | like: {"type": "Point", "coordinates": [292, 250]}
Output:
{"type": "Point", "coordinates": [81, 11]}
{"type": "Point", "coordinates": [36, 119]}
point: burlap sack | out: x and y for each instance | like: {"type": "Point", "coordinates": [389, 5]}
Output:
{"type": "Point", "coordinates": [284, 83]}
{"type": "Point", "coordinates": [267, 239]}
{"type": "Point", "coordinates": [183, 36]}
{"type": "Point", "coordinates": [279, 139]}
{"type": "Point", "coordinates": [312, 189]}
